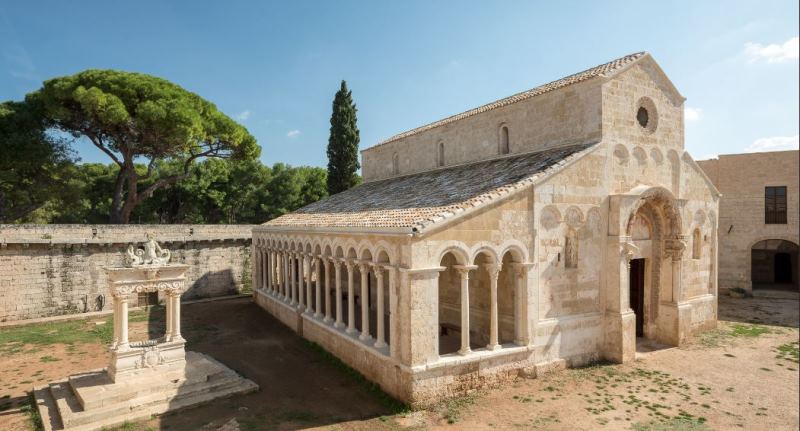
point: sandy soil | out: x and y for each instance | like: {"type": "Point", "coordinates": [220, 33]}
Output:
{"type": "Point", "coordinates": [730, 378]}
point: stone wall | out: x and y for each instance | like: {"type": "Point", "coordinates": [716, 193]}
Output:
{"type": "Point", "coordinates": [741, 178]}
{"type": "Point", "coordinates": [48, 270]}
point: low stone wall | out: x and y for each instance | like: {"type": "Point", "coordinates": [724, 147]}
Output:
{"type": "Point", "coordinates": [49, 270]}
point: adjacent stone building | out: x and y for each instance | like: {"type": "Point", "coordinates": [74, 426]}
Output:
{"type": "Point", "coordinates": [758, 219]}
{"type": "Point", "coordinates": [549, 228]}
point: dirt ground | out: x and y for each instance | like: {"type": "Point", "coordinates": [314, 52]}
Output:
{"type": "Point", "coordinates": [744, 375]}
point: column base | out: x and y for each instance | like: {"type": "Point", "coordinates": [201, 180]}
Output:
{"type": "Point", "coordinates": [493, 347]}
{"type": "Point", "coordinates": [620, 336]}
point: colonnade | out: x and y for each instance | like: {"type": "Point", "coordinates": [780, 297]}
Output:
{"type": "Point", "coordinates": [303, 280]}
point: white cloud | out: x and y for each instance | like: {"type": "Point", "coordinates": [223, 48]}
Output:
{"type": "Point", "coordinates": [293, 133]}
{"type": "Point", "coordinates": [692, 114]}
{"type": "Point", "coordinates": [773, 53]}
{"type": "Point", "coordinates": [244, 115]}
{"type": "Point", "coordinates": [775, 143]}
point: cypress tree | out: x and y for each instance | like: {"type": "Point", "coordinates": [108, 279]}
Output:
{"type": "Point", "coordinates": [343, 143]}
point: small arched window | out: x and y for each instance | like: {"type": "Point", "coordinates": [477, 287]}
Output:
{"type": "Point", "coordinates": [697, 244]}
{"type": "Point", "coordinates": [440, 154]}
{"type": "Point", "coordinates": [504, 145]}
{"type": "Point", "coordinates": [395, 164]}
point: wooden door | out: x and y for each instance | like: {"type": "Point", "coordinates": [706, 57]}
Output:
{"type": "Point", "coordinates": [637, 293]}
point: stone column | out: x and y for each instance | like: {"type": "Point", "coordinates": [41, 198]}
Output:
{"type": "Point", "coordinates": [301, 287]}
{"type": "Point", "coordinates": [318, 286]}
{"type": "Point", "coordinates": [256, 266]}
{"type": "Point", "coordinates": [292, 279]}
{"type": "Point", "coordinates": [176, 316]}
{"type": "Point", "coordinates": [392, 312]}
{"type": "Point", "coordinates": [122, 343]}
{"type": "Point", "coordinates": [364, 268]}
{"type": "Point", "coordinates": [351, 306]}
{"type": "Point", "coordinates": [307, 274]}
{"type": "Point", "coordinates": [380, 336]}
{"type": "Point", "coordinates": [287, 279]}
{"type": "Point", "coordinates": [464, 270]}
{"type": "Point", "coordinates": [337, 266]}
{"type": "Point", "coordinates": [169, 322]}
{"type": "Point", "coordinates": [494, 272]}
{"type": "Point", "coordinates": [265, 269]}
{"type": "Point", "coordinates": [327, 263]}
{"type": "Point", "coordinates": [116, 304]}
{"type": "Point", "coordinates": [520, 279]}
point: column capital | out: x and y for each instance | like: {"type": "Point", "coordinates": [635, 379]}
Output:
{"type": "Point", "coordinates": [349, 264]}
{"type": "Point", "coordinates": [465, 269]}
{"type": "Point", "coordinates": [494, 269]}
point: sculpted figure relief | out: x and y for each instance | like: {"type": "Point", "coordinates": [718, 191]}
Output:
{"type": "Point", "coordinates": [150, 254]}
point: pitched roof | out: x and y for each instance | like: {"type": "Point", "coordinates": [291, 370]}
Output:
{"type": "Point", "coordinates": [414, 202]}
{"type": "Point", "coordinates": [604, 70]}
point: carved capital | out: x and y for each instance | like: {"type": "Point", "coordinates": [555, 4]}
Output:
{"type": "Point", "coordinates": [494, 270]}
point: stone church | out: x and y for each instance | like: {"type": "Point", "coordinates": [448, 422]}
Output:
{"type": "Point", "coordinates": [551, 228]}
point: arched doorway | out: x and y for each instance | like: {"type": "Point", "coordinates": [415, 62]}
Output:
{"type": "Point", "coordinates": [774, 265]}
{"type": "Point", "coordinates": [655, 249]}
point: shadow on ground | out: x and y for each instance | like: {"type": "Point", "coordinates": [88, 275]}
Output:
{"type": "Point", "coordinates": [300, 386]}
{"type": "Point", "coordinates": [765, 311]}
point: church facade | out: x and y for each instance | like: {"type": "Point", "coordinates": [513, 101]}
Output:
{"type": "Point", "coordinates": [551, 228]}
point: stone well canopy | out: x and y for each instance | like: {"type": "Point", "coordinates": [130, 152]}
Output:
{"type": "Point", "coordinates": [412, 203]}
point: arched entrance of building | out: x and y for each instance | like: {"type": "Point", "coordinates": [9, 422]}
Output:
{"type": "Point", "coordinates": [774, 264]}
{"type": "Point", "coordinates": [653, 250]}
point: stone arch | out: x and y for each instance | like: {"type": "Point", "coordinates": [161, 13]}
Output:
{"type": "Point", "coordinates": [640, 155]}
{"type": "Point", "coordinates": [450, 316]}
{"type": "Point", "coordinates": [457, 249]}
{"type": "Point", "coordinates": [697, 244]}
{"type": "Point", "coordinates": [511, 297]}
{"type": "Point", "coordinates": [503, 140]}
{"type": "Point", "coordinates": [485, 248]}
{"type": "Point", "coordinates": [621, 154]}
{"type": "Point", "coordinates": [656, 155]}
{"type": "Point", "coordinates": [774, 263]}
{"type": "Point", "coordinates": [484, 260]}
{"type": "Point", "coordinates": [573, 217]}
{"type": "Point", "coordinates": [550, 217]}
{"type": "Point", "coordinates": [382, 246]}
{"type": "Point", "coordinates": [518, 250]}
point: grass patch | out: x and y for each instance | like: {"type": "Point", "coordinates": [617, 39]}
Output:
{"type": "Point", "coordinates": [789, 352]}
{"type": "Point", "coordinates": [724, 335]}
{"type": "Point", "coordinates": [748, 330]}
{"type": "Point", "coordinates": [14, 340]}
{"type": "Point", "coordinates": [674, 424]}
{"type": "Point", "coordinates": [453, 408]}
{"type": "Point", "coordinates": [32, 413]}
{"type": "Point", "coordinates": [48, 358]}
{"type": "Point", "coordinates": [385, 399]}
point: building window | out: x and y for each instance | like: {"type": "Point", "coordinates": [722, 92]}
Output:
{"type": "Point", "coordinates": [395, 164]}
{"type": "Point", "coordinates": [440, 154]}
{"type": "Point", "coordinates": [642, 116]}
{"type": "Point", "coordinates": [504, 146]}
{"type": "Point", "coordinates": [775, 205]}
{"type": "Point", "coordinates": [697, 244]}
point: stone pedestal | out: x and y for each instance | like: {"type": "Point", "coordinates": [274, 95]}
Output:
{"type": "Point", "coordinates": [143, 378]}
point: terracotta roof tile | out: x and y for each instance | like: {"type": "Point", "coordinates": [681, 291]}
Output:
{"type": "Point", "coordinates": [601, 70]}
{"type": "Point", "coordinates": [419, 200]}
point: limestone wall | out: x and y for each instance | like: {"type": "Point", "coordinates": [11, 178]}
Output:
{"type": "Point", "coordinates": [741, 178]}
{"type": "Point", "coordinates": [48, 270]}
{"type": "Point", "coordinates": [567, 115]}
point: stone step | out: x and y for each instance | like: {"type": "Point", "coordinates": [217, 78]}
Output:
{"type": "Point", "coordinates": [153, 403]}
{"type": "Point", "coordinates": [46, 406]}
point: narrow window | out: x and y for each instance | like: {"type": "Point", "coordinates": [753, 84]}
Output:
{"type": "Point", "coordinates": [440, 154]}
{"type": "Point", "coordinates": [775, 205]}
{"type": "Point", "coordinates": [504, 147]}
{"type": "Point", "coordinates": [571, 249]}
{"type": "Point", "coordinates": [697, 244]}
{"type": "Point", "coordinates": [395, 164]}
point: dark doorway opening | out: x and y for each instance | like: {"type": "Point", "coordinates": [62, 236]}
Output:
{"type": "Point", "coordinates": [783, 268]}
{"type": "Point", "coordinates": [636, 284]}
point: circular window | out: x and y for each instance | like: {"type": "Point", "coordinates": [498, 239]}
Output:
{"type": "Point", "coordinates": [646, 115]}
{"type": "Point", "coordinates": [642, 116]}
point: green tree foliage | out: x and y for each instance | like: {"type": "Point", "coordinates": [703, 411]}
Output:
{"type": "Point", "coordinates": [343, 143]}
{"type": "Point", "coordinates": [34, 166]}
{"type": "Point", "coordinates": [215, 191]}
{"type": "Point", "coordinates": [134, 117]}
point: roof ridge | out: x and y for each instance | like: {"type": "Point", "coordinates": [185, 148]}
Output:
{"type": "Point", "coordinates": [604, 70]}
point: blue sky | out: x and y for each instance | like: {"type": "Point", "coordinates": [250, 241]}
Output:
{"type": "Point", "coordinates": [276, 66]}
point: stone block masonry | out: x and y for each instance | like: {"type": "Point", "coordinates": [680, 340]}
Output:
{"type": "Point", "coordinates": [50, 270]}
